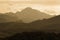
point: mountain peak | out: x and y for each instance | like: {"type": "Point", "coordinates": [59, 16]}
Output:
{"type": "Point", "coordinates": [27, 9]}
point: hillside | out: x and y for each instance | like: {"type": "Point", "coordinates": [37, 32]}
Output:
{"type": "Point", "coordinates": [52, 24]}
{"type": "Point", "coordinates": [8, 17]}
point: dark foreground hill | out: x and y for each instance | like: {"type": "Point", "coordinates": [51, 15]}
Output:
{"type": "Point", "coordinates": [34, 36]}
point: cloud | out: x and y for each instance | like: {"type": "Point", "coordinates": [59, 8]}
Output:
{"type": "Point", "coordinates": [43, 2]}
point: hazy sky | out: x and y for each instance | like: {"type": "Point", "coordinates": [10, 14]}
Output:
{"type": "Point", "coordinates": [49, 6]}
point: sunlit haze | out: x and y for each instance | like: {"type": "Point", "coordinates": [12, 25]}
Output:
{"type": "Point", "coordinates": [47, 6]}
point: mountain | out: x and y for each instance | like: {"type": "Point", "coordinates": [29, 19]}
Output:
{"type": "Point", "coordinates": [29, 15]}
{"type": "Point", "coordinates": [9, 23]}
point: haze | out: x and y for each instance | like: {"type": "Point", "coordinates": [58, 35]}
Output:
{"type": "Point", "coordinates": [48, 6]}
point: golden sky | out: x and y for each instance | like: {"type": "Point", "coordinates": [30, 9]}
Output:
{"type": "Point", "coordinates": [50, 6]}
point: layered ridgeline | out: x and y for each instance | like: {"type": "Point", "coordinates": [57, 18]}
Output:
{"type": "Point", "coordinates": [46, 25]}
{"type": "Point", "coordinates": [11, 23]}
{"type": "Point", "coordinates": [51, 24]}
{"type": "Point", "coordinates": [26, 15]}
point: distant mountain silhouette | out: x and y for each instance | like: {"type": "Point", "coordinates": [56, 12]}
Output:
{"type": "Point", "coordinates": [28, 15]}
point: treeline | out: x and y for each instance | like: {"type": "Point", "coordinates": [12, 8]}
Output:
{"type": "Point", "coordinates": [34, 36]}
